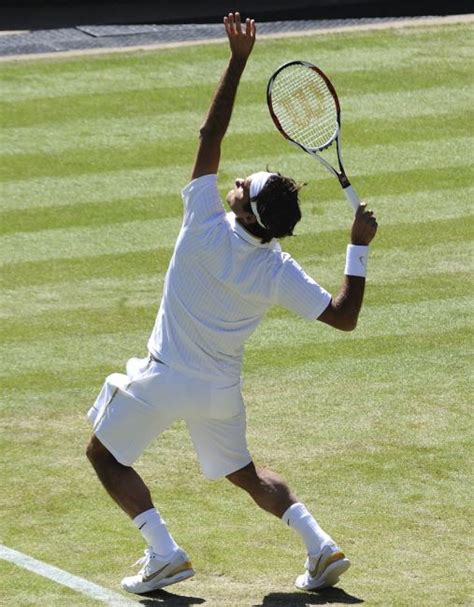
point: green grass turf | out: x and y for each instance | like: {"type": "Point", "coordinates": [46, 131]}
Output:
{"type": "Point", "coordinates": [371, 428]}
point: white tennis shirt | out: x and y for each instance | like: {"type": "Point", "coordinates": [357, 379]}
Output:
{"type": "Point", "coordinates": [219, 284]}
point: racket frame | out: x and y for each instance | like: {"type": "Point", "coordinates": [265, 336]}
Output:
{"type": "Point", "coordinates": [348, 190]}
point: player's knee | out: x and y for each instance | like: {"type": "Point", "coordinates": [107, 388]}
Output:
{"type": "Point", "coordinates": [246, 478]}
{"type": "Point", "coordinates": [91, 451]}
{"type": "Point", "coordinates": [96, 452]}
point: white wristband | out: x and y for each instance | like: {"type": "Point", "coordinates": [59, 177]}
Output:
{"type": "Point", "coordinates": [356, 260]}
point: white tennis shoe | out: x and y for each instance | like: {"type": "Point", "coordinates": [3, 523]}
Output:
{"type": "Point", "coordinates": [323, 570]}
{"type": "Point", "coordinates": [158, 572]}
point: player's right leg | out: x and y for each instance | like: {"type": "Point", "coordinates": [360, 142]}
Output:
{"type": "Point", "coordinates": [126, 417]}
{"type": "Point", "coordinates": [122, 483]}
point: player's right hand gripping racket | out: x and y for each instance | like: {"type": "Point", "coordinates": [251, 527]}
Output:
{"type": "Point", "coordinates": [305, 109]}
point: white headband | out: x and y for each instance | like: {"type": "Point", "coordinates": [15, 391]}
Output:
{"type": "Point", "coordinates": [258, 181]}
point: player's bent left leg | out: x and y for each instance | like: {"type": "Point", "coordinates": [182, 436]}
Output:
{"type": "Point", "coordinates": [325, 562]}
{"type": "Point", "coordinates": [268, 489]}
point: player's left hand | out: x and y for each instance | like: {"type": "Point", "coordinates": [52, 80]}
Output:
{"type": "Point", "coordinates": [364, 227]}
{"type": "Point", "coordinates": [241, 38]}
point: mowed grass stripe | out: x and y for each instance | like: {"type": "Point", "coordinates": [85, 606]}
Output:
{"type": "Point", "coordinates": [450, 275]}
{"type": "Point", "coordinates": [61, 282]}
{"type": "Point", "coordinates": [143, 235]}
{"type": "Point", "coordinates": [75, 295]}
{"type": "Point", "coordinates": [430, 204]}
{"type": "Point", "coordinates": [249, 118]}
{"type": "Point", "coordinates": [318, 197]}
{"type": "Point", "coordinates": [183, 97]}
{"type": "Point", "coordinates": [392, 237]}
{"type": "Point", "coordinates": [337, 362]}
{"type": "Point", "coordinates": [52, 313]}
{"type": "Point", "coordinates": [94, 187]}
{"type": "Point", "coordinates": [422, 359]}
{"type": "Point", "coordinates": [55, 271]}
{"type": "Point", "coordinates": [48, 303]}
{"type": "Point", "coordinates": [157, 206]}
{"type": "Point", "coordinates": [372, 323]}
{"type": "Point", "coordinates": [317, 217]}
{"type": "Point", "coordinates": [51, 309]}
{"type": "Point", "coordinates": [438, 253]}
{"type": "Point", "coordinates": [453, 314]}
{"type": "Point", "coordinates": [362, 160]}
{"type": "Point", "coordinates": [275, 358]}
{"type": "Point", "coordinates": [138, 154]}
{"type": "Point", "coordinates": [419, 355]}
{"type": "Point", "coordinates": [168, 68]}
{"type": "Point", "coordinates": [398, 264]}
{"type": "Point", "coordinates": [89, 242]}
{"type": "Point", "coordinates": [111, 75]}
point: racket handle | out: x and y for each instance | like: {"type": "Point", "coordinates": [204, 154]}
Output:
{"type": "Point", "coordinates": [352, 197]}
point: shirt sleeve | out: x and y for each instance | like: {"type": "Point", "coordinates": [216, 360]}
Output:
{"type": "Point", "coordinates": [202, 203]}
{"type": "Point", "coordinates": [298, 292]}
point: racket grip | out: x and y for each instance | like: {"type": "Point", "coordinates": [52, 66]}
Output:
{"type": "Point", "coordinates": [352, 197]}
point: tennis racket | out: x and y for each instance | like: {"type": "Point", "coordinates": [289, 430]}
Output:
{"type": "Point", "coordinates": [305, 109]}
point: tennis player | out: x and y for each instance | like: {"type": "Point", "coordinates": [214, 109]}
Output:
{"type": "Point", "coordinates": [226, 271]}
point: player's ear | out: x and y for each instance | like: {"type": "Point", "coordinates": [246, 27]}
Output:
{"type": "Point", "coordinates": [248, 218]}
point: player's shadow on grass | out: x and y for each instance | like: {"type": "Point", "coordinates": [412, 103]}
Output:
{"type": "Point", "coordinates": [162, 597]}
{"type": "Point", "coordinates": [301, 599]}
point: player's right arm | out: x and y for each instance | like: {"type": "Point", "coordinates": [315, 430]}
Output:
{"type": "Point", "coordinates": [343, 310]}
{"type": "Point", "coordinates": [241, 41]}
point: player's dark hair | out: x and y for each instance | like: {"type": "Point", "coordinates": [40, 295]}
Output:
{"type": "Point", "coordinates": [278, 207]}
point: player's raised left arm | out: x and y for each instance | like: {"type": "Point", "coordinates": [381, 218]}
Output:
{"type": "Point", "coordinates": [241, 40]}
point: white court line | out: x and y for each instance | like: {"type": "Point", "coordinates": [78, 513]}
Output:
{"type": "Point", "coordinates": [64, 578]}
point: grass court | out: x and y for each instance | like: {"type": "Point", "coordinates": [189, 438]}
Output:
{"type": "Point", "coordinates": [371, 429]}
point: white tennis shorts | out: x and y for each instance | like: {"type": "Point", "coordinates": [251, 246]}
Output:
{"type": "Point", "coordinates": [132, 409]}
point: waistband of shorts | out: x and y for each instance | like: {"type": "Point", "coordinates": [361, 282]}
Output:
{"type": "Point", "coordinates": [228, 382]}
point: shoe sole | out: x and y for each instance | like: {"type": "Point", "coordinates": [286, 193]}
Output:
{"type": "Point", "coordinates": [179, 577]}
{"type": "Point", "coordinates": [329, 577]}
{"type": "Point", "coordinates": [157, 584]}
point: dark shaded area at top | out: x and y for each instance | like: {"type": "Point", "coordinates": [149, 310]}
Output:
{"type": "Point", "coordinates": [40, 14]}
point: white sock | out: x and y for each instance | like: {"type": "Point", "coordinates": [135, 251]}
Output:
{"type": "Point", "coordinates": [298, 518]}
{"type": "Point", "coordinates": [154, 530]}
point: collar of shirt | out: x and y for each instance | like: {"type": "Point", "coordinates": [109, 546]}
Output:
{"type": "Point", "coordinates": [253, 240]}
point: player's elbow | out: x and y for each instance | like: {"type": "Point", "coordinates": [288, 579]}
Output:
{"type": "Point", "coordinates": [343, 323]}
{"type": "Point", "coordinates": [339, 318]}
{"type": "Point", "coordinates": [348, 319]}
{"type": "Point", "coordinates": [348, 324]}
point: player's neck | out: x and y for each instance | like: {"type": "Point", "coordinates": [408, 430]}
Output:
{"type": "Point", "coordinates": [252, 228]}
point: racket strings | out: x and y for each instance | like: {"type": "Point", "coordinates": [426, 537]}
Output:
{"type": "Point", "coordinates": [305, 107]}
